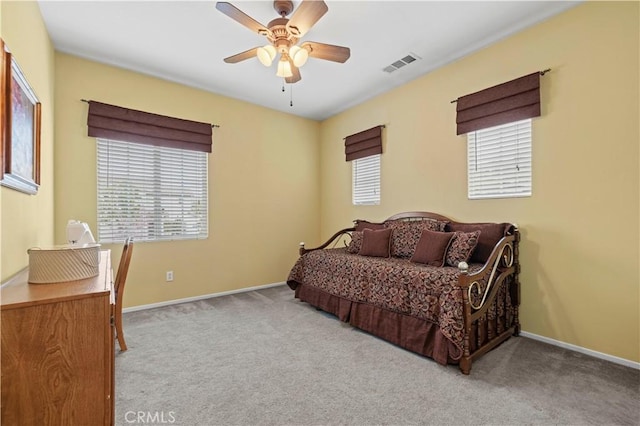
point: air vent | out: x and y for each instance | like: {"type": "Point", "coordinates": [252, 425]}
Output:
{"type": "Point", "coordinates": [401, 63]}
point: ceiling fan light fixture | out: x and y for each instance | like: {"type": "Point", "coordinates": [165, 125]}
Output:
{"type": "Point", "coordinates": [283, 35]}
{"type": "Point", "coordinates": [299, 55]}
{"type": "Point", "coordinates": [284, 68]}
{"type": "Point", "coordinates": [266, 55]}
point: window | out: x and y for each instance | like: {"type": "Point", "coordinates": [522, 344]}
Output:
{"type": "Point", "coordinates": [499, 161]}
{"type": "Point", "coordinates": [150, 193]}
{"type": "Point", "coordinates": [366, 180]}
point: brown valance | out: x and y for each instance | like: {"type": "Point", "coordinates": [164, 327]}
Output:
{"type": "Point", "coordinates": [129, 125]}
{"type": "Point", "coordinates": [514, 100]}
{"type": "Point", "coordinates": [363, 144]}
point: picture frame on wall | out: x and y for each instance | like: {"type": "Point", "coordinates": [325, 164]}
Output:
{"type": "Point", "coordinates": [21, 120]}
{"type": "Point", "coordinates": [3, 105]}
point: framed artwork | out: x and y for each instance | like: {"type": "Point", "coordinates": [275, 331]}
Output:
{"type": "Point", "coordinates": [3, 105]}
{"type": "Point", "coordinates": [21, 129]}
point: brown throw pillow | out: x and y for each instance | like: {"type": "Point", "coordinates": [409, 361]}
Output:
{"type": "Point", "coordinates": [461, 248]}
{"type": "Point", "coordinates": [361, 225]}
{"type": "Point", "coordinates": [432, 247]}
{"type": "Point", "coordinates": [356, 242]}
{"type": "Point", "coordinates": [376, 243]}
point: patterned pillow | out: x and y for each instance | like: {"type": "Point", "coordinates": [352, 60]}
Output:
{"type": "Point", "coordinates": [356, 242]}
{"type": "Point", "coordinates": [406, 234]}
{"type": "Point", "coordinates": [491, 233]}
{"type": "Point", "coordinates": [376, 243]}
{"type": "Point", "coordinates": [461, 247]}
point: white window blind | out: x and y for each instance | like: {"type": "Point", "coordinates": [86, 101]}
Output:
{"type": "Point", "coordinates": [150, 193]}
{"type": "Point", "coordinates": [499, 161]}
{"type": "Point", "coordinates": [366, 180]}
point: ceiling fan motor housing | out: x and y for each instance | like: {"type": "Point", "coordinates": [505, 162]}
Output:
{"type": "Point", "coordinates": [280, 35]}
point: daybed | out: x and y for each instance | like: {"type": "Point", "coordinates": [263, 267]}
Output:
{"type": "Point", "coordinates": [443, 289]}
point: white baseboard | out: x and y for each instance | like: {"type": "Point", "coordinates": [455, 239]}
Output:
{"type": "Point", "coordinates": [195, 298]}
{"type": "Point", "coordinates": [575, 348]}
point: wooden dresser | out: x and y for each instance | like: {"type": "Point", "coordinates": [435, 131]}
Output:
{"type": "Point", "coordinates": [57, 357]}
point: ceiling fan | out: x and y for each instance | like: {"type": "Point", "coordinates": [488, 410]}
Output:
{"type": "Point", "coordinates": [283, 35]}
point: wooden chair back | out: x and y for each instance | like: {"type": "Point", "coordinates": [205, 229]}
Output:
{"type": "Point", "coordinates": [121, 278]}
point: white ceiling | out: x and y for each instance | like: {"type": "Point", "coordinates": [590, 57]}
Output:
{"type": "Point", "coordinates": [186, 41]}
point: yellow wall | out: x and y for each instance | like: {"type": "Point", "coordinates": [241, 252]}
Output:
{"type": "Point", "coordinates": [263, 183]}
{"type": "Point", "coordinates": [27, 220]}
{"type": "Point", "coordinates": [579, 251]}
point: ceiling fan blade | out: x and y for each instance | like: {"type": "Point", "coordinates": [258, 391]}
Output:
{"type": "Point", "coordinates": [296, 74]}
{"type": "Point", "coordinates": [329, 52]}
{"type": "Point", "coordinates": [305, 16]}
{"type": "Point", "coordinates": [242, 56]}
{"type": "Point", "coordinates": [239, 16]}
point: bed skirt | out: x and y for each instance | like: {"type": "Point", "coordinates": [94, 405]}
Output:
{"type": "Point", "coordinates": [416, 335]}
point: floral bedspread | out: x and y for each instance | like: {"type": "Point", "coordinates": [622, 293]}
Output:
{"type": "Point", "coordinates": [396, 284]}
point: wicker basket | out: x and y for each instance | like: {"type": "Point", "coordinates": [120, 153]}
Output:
{"type": "Point", "coordinates": [63, 264]}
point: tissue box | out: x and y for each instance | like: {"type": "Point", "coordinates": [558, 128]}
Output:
{"type": "Point", "coordinates": [65, 263]}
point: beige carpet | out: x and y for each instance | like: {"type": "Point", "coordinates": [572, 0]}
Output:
{"type": "Point", "coordinates": [264, 358]}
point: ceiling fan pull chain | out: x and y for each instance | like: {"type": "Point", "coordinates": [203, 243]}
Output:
{"type": "Point", "coordinates": [283, 86]}
{"type": "Point", "coordinates": [291, 95]}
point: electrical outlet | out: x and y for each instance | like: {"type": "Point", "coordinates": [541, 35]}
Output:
{"type": "Point", "coordinates": [169, 276]}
